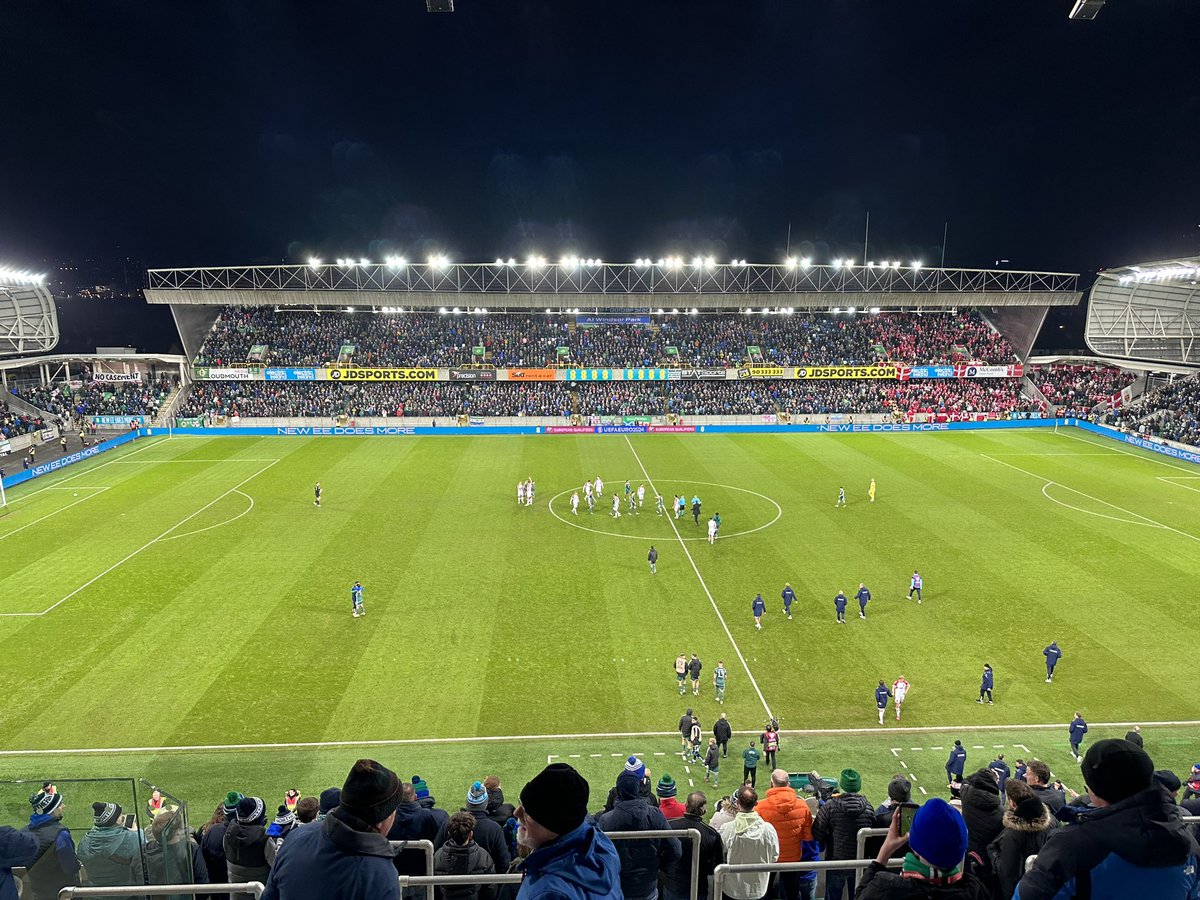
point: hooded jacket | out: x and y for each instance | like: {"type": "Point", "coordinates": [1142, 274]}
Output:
{"type": "Point", "coordinates": [1139, 847]}
{"type": "Point", "coordinates": [464, 859]}
{"type": "Point", "coordinates": [879, 884]}
{"type": "Point", "coordinates": [837, 823]}
{"type": "Point", "coordinates": [57, 864]}
{"type": "Point", "coordinates": [793, 823]}
{"type": "Point", "coordinates": [981, 811]}
{"type": "Point", "coordinates": [498, 810]}
{"type": "Point", "coordinates": [722, 731]}
{"type": "Point", "coordinates": [112, 855]}
{"type": "Point", "coordinates": [1020, 839]}
{"type": "Point", "coordinates": [488, 835]}
{"type": "Point", "coordinates": [16, 849]}
{"type": "Point", "coordinates": [246, 852]}
{"type": "Point", "coordinates": [579, 865]}
{"type": "Point", "coordinates": [336, 861]}
{"type": "Point", "coordinates": [748, 839]}
{"type": "Point", "coordinates": [413, 823]}
{"type": "Point", "coordinates": [640, 860]}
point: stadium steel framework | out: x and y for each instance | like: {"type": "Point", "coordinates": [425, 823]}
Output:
{"type": "Point", "coordinates": [1147, 312]}
{"type": "Point", "coordinates": [646, 285]}
{"type": "Point", "coordinates": [28, 320]}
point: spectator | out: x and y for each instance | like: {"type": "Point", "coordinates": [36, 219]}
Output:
{"type": "Point", "coordinates": [1135, 737]}
{"type": "Point", "coordinates": [956, 762]}
{"type": "Point", "coordinates": [497, 809]}
{"type": "Point", "coordinates": [836, 827]}
{"type": "Point", "coordinates": [307, 810]}
{"type": "Point", "coordinates": [1037, 775]}
{"type": "Point", "coordinates": [677, 877]}
{"type": "Point", "coordinates": [726, 811]}
{"type": "Point", "coordinates": [1003, 772]}
{"type": "Point", "coordinates": [793, 821]}
{"type": "Point", "coordinates": [667, 802]}
{"type": "Point", "coordinates": [1027, 826]}
{"type": "Point", "coordinates": [899, 791]}
{"type": "Point", "coordinates": [111, 852]}
{"type": "Point", "coordinates": [982, 812]}
{"type": "Point", "coordinates": [57, 864]}
{"type": "Point", "coordinates": [570, 859]}
{"type": "Point", "coordinates": [414, 822]}
{"type": "Point", "coordinates": [1135, 844]}
{"type": "Point", "coordinates": [348, 856]}
{"type": "Point", "coordinates": [245, 843]}
{"type": "Point", "coordinates": [460, 855]}
{"type": "Point", "coordinates": [330, 799]}
{"type": "Point", "coordinates": [722, 731]}
{"type": "Point", "coordinates": [488, 834]}
{"type": "Point", "coordinates": [17, 848]}
{"type": "Point", "coordinates": [933, 867]}
{"type": "Point", "coordinates": [284, 824]}
{"type": "Point", "coordinates": [172, 857]}
{"type": "Point", "coordinates": [640, 860]}
{"type": "Point", "coordinates": [211, 837]}
{"type": "Point", "coordinates": [636, 767]}
{"type": "Point", "coordinates": [748, 839]}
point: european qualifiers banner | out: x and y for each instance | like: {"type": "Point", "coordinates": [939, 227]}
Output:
{"type": "Point", "coordinates": [356, 374]}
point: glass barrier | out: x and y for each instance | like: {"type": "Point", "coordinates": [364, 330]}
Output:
{"type": "Point", "coordinates": [171, 850]}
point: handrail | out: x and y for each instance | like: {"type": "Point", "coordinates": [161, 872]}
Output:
{"type": "Point", "coordinates": [426, 846]}
{"type": "Point", "coordinates": [863, 834]}
{"type": "Point", "coordinates": [162, 890]}
{"type": "Point", "coordinates": [725, 869]}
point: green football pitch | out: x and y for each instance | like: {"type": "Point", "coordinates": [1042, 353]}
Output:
{"type": "Point", "coordinates": [182, 607]}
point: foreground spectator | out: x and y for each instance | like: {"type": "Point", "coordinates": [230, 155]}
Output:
{"type": "Point", "coordinates": [211, 837]}
{"type": "Point", "coordinates": [678, 876]}
{"type": "Point", "coordinates": [498, 810]}
{"type": "Point", "coordinates": [1037, 776]}
{"type": "Point", "coordinates": [569, 858]}
{"type": "Point", "coordinates": [414, 822]}
{"type": "Point", "coordinates": [640, 860]}
{"type": "Point", "coordinates": [748, 839]}
{"type": "Point", "coordinates": [933, 867]}
{"type": "Point", "coordinates": [668, 802]}
{"type": "Point", "coordinates": [111, 852]}
{"type": "Point", "coordinates": [792, 820]}
{"type": "Point", "coordinates": [56, 865]}
{"type": "Point", "coordinates": [982, 812]}
{"type": "Point", "coordinates": [284, 824]}
{"type": "Point", "coordinates": [1134, 845]}
{"type": "Point", "coordinates": [1027, 826]}
{"type": "Point", "coordinates": [246, 843]}
{"type": "Point", "coordinates": [460, 855]}
{"type": "Point", "coordinates": [348, 856]}
{"type": "Point", "coordinates": [836, 827]}
{"type": "Point", "coordinates": [17, 848]}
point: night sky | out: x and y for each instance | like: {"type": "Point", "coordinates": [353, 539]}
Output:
{"type": "Point", "coordinates": [232, 131]}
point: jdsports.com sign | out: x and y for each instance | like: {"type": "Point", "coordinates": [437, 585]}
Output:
{"type": "Point", "coordinates": [346, 374]}
{"type": "Point", "coordinates": [846, 372]}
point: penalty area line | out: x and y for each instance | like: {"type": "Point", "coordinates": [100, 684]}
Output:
{"type": "Point", "coordinates": [708, 593]}
{"type": "Point", "coordinates": [509, 738]}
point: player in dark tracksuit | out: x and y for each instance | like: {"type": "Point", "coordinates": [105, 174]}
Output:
{"type": "Point", "coordinates": [1053, 655]}
{"type": "Point", "coordinates": [881, 699]}
{"type": "Point", "coordinates": [985, 686]}
{"type": "Point", "coordinates": [1076, 730]}
{"type": "Point", "coordinates": [839, 603]}
{"type": "Point", "coordinates": [789, 597]}
{"type": "Point", "coordinates": [956, 763]}
{"type": "Point", "coordinates": [864, 597]}
{"type": "Point", "coordinates": [696, 509]}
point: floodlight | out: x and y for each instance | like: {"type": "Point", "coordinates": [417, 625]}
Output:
{"type": "Point", "coordinates": [498, 262]}
{"type": "Point", "coordinates": [442, 311]}
{"type": "Point", "coordinates": [314, 262]}
{"type": "Point", "coordinates": [874, 310]}
{"type": "Point", "coordinates": [871, 265]}
{"type": "Point", "coordinates": [661, 263]}
{"type": "Point", "coordinates": [836, 310]}
{"type": "Point", "coordinates": [694, 311]}
{"type": "Point", "coordinates": [915, 265]}
{"type": "Point", "coordinates": [457, 311]}
{"type": "Point", "coordinates": [697, 262]}
{"type": "Point", "coordinates": [364, 262]}
{"type": "Point", "coordinates": [805, 263]}
{"type": "Point", "coordinates": [850, 310]}
{"type": "Point", "coordinates": [790, 262]}
{"type": "Point", "coordinates": [837, 264]}
{"type": "Point", "coordinates": [709, 263]}
{"type": "Point", "coordinates": [511, 262]}
{"type": "Point", "coordinates": [895, 263]}
{"type": "Point", "coordinates": [349, 309]}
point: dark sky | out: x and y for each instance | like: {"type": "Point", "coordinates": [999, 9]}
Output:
{"type": "Point", "coordinates": [230, 131]}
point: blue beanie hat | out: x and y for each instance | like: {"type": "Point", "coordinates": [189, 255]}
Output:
{"type": "Point", "coordinates": [635, 766]}
{"type": "Point", "coordinates": [420, 788]}
{"type": "Point", "coordinates": [939, 835]}
{"type": "Point", "coordinates": [477, 795]}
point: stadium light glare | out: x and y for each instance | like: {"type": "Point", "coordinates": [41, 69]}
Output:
{"type": "Point", "coordinates": [851, 310]}
{"type": "Point", "coordinates": [675, 311]}
{"type": "Point", "coordinates": [349, 309]}
{"type": "Point", "coordinates": [709, 263]}
{"type": "Point", "coordinates": [364, 261]}
{"type": "Point", "coordinates": [805, 262]}
{"type": "Point", "coordinates": [871, 264]}
{"type": "Point", "coordinates": [547, 310]}
{"type": "Point", "coordinates": [661, 263]}
{"type": "Point", "coordinates": [874, 310]}
{"type": "Point", "coordinates": [837, 264]}
{"type": "Point", "coordinates": [895, 263]}
{"type": "Point", "coordinates": [915, 265]}
{"type": "Point", "coordinates": [697, 262]}
{"type": "Point", "coordinates": [790, 262]}
{"type": "Point", "coordinates": [313, 262]}
{"type": "Point", "coordinates": [498, 262]}
{"type": "Point", "coordinates": [694, 311]}
{"type": "Point", "coordinates": [511, 262]}
{"type": "Point", "coordinates": [660, 311]}
{"type": "Point", "coordinates": [836, 310]}
{"type": "Point", "coordinates": [457, 311]}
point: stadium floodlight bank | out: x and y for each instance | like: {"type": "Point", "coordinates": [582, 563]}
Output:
{"type": "Point", "coordinates": [28, 319]}
{"type": "Point", "coordinates": [589, 283]}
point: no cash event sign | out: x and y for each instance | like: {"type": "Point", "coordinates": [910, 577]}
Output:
{"type": "Point", "coordinates": [348, 374]}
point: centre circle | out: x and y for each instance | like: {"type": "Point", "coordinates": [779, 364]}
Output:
{"type": "Point", "coordinates": [641, 537]}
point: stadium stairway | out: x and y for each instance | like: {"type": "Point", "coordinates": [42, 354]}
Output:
{"type": "Point", "coordinates": [166, 410]}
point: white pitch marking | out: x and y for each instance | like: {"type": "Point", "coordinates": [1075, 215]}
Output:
{"type": "Point", "coordinates": [595, 755]}
{"type": "Point", "coordinates": [551, 757]}
{"type": "Point", "coordinates": [88, 470]}
{"type": "Point", "coordinates": [1175, 479]}
{"type": "Point", "coordinates": [656, 753]}
{"type": "Point", "coordinates": [98, 490]}
{"type": "Point", "coordinates": [696, 569]}
{"type": "Point", "coordinates": [176, 537]}
{"type": "Point", "coordinates": [574, 755]}
{"type": "Point", "coordinates": [913, 777]}
{"type": "Point", "coordinates": [916, 748]}
{"type": "Point", "coordinates": [1152, 458]}
{"type": "Point", "coordinates": [937, 748]}
{"type": "Point", "coordinates": [896, 752]}
{"type": "Point", "coordinates": [978, 747]}
{"type": "Point", "coordinates": [1091, 512]}
{"type": "Point", "coordinates": [997, 746]}
{"type": "Point", "coordinates": [1020, 747]}
{"type": "Point", "coordinates": [922, 790]}
{"type": "Point", "coordinates": [149, 544]}
{"type": "Point", "coordinates": [1090, 497]}
{"type": "Point", "coordinates": [903, 763]}
{"type": "Point", "coordinates": [397, 742]}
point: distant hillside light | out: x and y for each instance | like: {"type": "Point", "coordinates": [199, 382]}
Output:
{"type": "Point", "coordinates": [439, 5]}
{"type": "Point", "coordinates": [1086, 10]}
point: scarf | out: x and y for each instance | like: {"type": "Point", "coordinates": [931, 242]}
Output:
{"type": "Point", "coordinates": [915, 867]}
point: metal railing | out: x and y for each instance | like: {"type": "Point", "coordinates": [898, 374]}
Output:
{"type": "Point", "coordinates": [163, 890]}
{"type": "Point", "coordinates": [425, 846]}
{"type": "Point", "coordinates": [863, 834]}
{"type": "Point", "coordinates": [721, 872]}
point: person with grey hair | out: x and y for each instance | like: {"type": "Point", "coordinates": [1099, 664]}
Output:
{"type": "Point", "coordinates": [748, 839]}
{"type": "Point", "coordinates": [678, 875]}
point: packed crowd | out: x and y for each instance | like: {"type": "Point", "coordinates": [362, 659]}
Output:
{"type": "Point", "coordinates": [1171, 412]}
{"type": "Point", "coordinates": [363, 399]}
{"type": "Point", "coordinates": [307, 338]}
{"type": "Point", "coordinates": [13, 424]}
{"type": "Point", "coordinates": [944, 399]}
{"type": "Point", "coordinates": [1124, 832]}
{"type": "Point", "coordinates": [100, 398]}
{"type": "Point", "coordinates": [1078, 389]}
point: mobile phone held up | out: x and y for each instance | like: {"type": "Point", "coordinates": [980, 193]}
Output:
{"type": "Point", "coordinates": [127, 820]}
{"type": "Point", "coordinates": [907, 811]}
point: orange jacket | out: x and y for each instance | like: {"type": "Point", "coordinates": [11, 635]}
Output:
{"type": "Point", "coordinates": [791, 817]}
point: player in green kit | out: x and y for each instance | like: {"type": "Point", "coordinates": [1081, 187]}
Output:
{"type": "Point", "coordinates": [659, 500]}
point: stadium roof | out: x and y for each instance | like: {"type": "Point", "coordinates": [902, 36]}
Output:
{"type": "Point", "coordinates": [28, 319]}
{"type": "Point", "coordinates": [589, 283]}
{"type": "Point", "coordinates": [1149, 311]}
